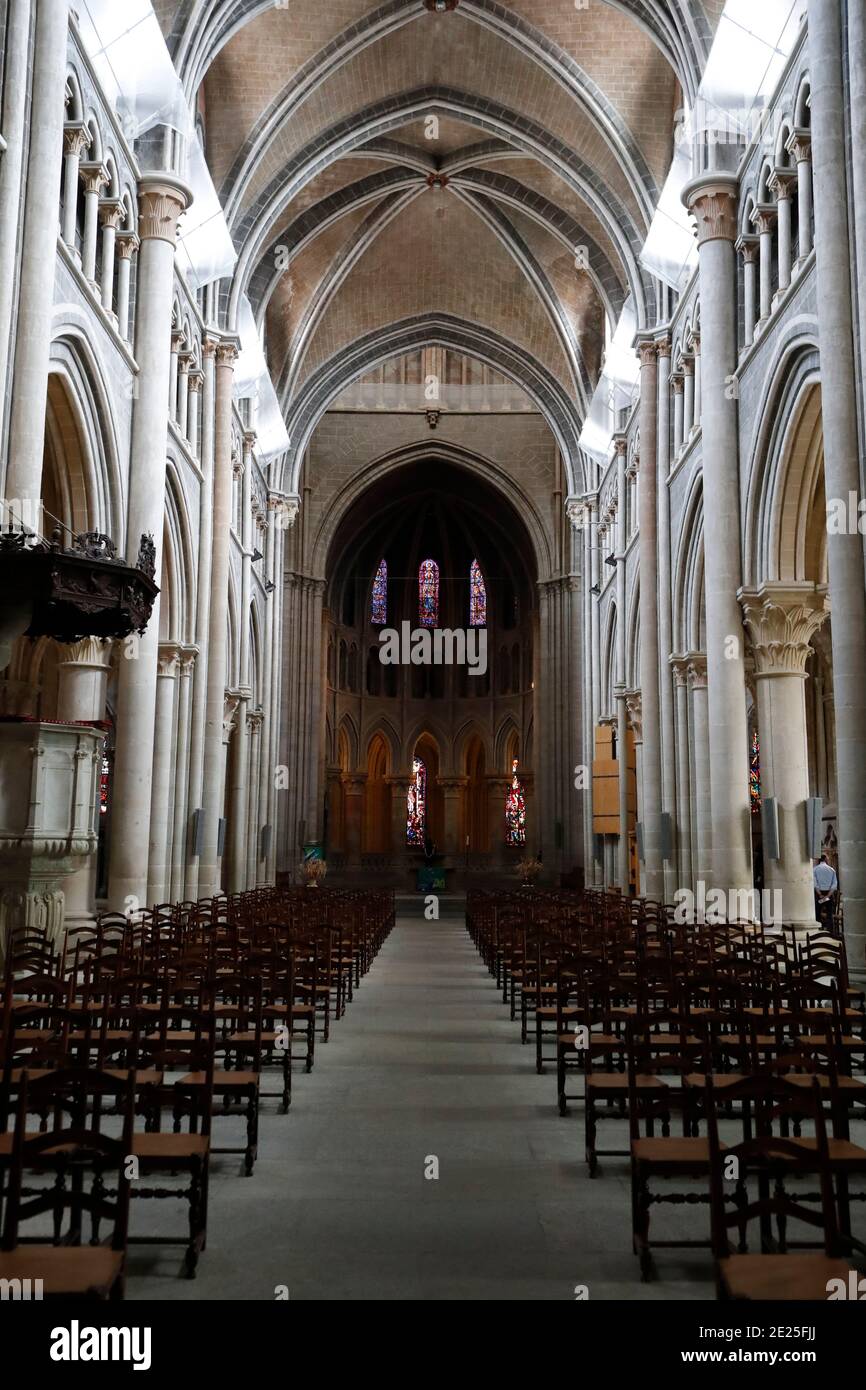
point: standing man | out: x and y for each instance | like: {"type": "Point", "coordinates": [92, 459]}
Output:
{"type": "Point", "coordinates": [826, 887]}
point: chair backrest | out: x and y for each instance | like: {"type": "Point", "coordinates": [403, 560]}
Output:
{"type": "Point", "coordinates": [768, 1158]}
{"type": "Point", "coordinates": [75, 1144]}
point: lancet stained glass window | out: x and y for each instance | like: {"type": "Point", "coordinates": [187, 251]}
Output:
{"type": "Point", "coordinates": [477, 596]}
{"type": "Point", "coordinates": [416, 805]}
{"type": "Point", "coordinates": [379, 599]}
{"type": "Point", "coordinates": [515, 810]}
{"type": "Point", "coordinates": [755, 774]}
{"type": "Point", "coordinates": [428, 593]}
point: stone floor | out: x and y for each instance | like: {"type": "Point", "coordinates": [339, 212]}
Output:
{"type": "Point", "coordinates": [425, 1065]}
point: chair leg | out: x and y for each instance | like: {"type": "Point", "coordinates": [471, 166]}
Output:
{"type": "Point", "coordinates": [539, 1063]}
{"type": "Point", "coordinates": [561, 1073]}
{"type": "Point", "coordinates": [589, 1121]}
{"type": "Point", "coordinates": [252, 1130]}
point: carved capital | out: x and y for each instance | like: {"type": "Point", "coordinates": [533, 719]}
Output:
{"type": "Point", "coordinates": [227, 352]}
{"type": "Point", "coordinates": [781, 620]}
{"type": "Point", "coordinates": [647, 351]}
{"type": "Point", "coordinates": [76, 138]}
{"type": "Point", "coordinates": [678, 382]}
{"type": "Point", "coordinates": [663, 347]}
{"type": "Point", "coordinates": [209, 345]}
{"type": "Point", "coordinates": [111, 212]}
{"type": "Point", "coordinates": [168, 659]}
{"type": "Point", "coordinates": [162, 201]}
{"type": "Point", "coordinates": [696, 667]}
{"type": "Point", "coordinates": [634, 708]}
{"type": "Point", "coordinates": [712, 201]}
{"type": "Point", "coordinates": [781, 182]}
{"type": "Point", "coordinates": [764, 218]}
{"type": "Point", "coordinates": [126, 245]}
{"type": "Point", "coordinates": [748, 247]}
{"type": "Point", "coordinates": [679, 670]}
{"type": "Point", "coordinates": [94, 176]}
{"type": "Point", "coordinates": [196, 381]}
{"type": "Point", "coordinates": [800, 144]}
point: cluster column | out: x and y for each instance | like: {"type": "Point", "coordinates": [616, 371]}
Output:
{"type": "Point", "coordinates": [651, 813]}
{"type": "Point", "coordinates": [712, 199]}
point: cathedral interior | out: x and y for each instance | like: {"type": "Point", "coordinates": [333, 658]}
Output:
{"type": "Point", "coordinates": [433, 624]}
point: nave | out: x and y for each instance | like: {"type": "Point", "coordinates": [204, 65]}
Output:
{"type": "Point", "coordinates": [424, 1063]}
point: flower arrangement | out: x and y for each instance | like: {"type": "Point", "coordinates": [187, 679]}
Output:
{"type": "Point", "coordinates": [314, 871]}
{"type": "Point", "coordinates": [529, 870]}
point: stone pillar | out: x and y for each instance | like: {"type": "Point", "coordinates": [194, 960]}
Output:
{"type": "Point", "coordinates": [399, 784]}
{"type": "Point", "coordinates": [162, 200]}
{"type": "Point", "coordinates": [76, 139]}
{"type": "Point", "coordinates": [677, 382]}
{"type": "Point", "coordinates": [764, 219]}
{"type": "Point", "coordinates": [111, 212]}
{"type": "Point", "coordinates": [32, 336]}
{"type": "Point", "coordinates": [497, 791]}
{"type": "Point", "coordinates": [195, 381]}
{"type": "Point", "coordinates": [452, 796]}
{"type": "Point", "coordinates": [354, 785]}
{"type": "Point", "coordinates": [81, 690]}
{"type": "Point", "coordinates": [841, 455]}
{"type": "Point", "coordinates": [748, 249]}
{"type": "Point", "coordinates": [255, 721]}
{"type": "Point", "coordinates": [688, 397]}
{"type": "Point", "coordinates": [634, 705]}
{"type": "Point", "coordinates": [183, 366]}
{"type": "Point", "coordinates": [713, 201]}
{"type": "Point", "coordinates": [781, 620]}
{"type": "Point", "coordinates": [164, 745]}
{"type": "Point", "coordinates": [16, 104]}
{"type": "Point", "coordinates": [217, 639]}
{"type": "Point", "coordinates": [697, 677]}
{"type": "Point", "coordinates": [95, 177]}
{"type": "Point", "coordinates": [180, 836]}
{"type": "Point", "coordinates": [665, 618]}
{"type": "Point", "coordinates": [679, 667]}
{"type": "Point", "coordinates": [126, 245]}
{"type": "Point", "coordinates": [780, 184]}
{"type": "Point", "coordinates": [238, 794]}
{"type": "Point", "coordinates": [198, 714]}
{"type": "Point", "coordinates": [653, 886]}
{"type": "Point", "coordinates": [177, 342]}
{"type": "Point", "coordinates": [800, 146]}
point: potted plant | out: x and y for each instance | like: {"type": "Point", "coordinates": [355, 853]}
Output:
{"type": "Point", "coordinates": [529, 870]}
{"type": "Point", "coordinates": [314, 871]}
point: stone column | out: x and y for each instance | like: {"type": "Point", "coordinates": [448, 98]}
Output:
{"type": "Point", "coordinates": [620, 446]}
{"type": "Point", "coordinates": [196, 381]}
{"type": "Point", "coordinates": [713, 201]}
{"type": "Point", "coordinates": [183, 366]}
{"type": "Point", "coordinates": [180, 836]}
{"type": "Point", "coordinates": [697, 677]}
{"type": "Point", "coordinates": [177, 342]}
{"type": "Point", "coordinates": [497, 790]}
{"type": "Point", "coordinates": [649, 634]}
{"type": "Point", "coordinates": [748, 249]}
{"type": "Point", "coordinates": [164, 745]}
{"type": "Point", "coordinates": [679, 667]}
{"type": "Point", "coordinates": [677, 382]}
{"type": "Point", "coordinates": [665, 618]}
{"type": "Point", "coordinates": [781, 620]}
{"type": "Point", "coordinates": [111, 212]}
{"type": "Point", "coordinates": [399, 784]}
{"type": "Point", "coordinates": [32, 336]}
{"type": "Point", "coordinates": [255, 721]}
{"type": "Point", "coordinates": [781, 183]}
{"type": "Point", "coordinates": [452, 798]}
{"type": "Point", "coordinates": [126, 245]}
{"type": "Point", "coordinates": [841, 455]}
{"type": "Point", "coordinates": [217, 639]}
{"type": "Point", "coordinates": [82, 685]}
{"type": "Point", "coordinates": [582, 517]}
{"type": "Point", "coordinates": [16, 99]}
{"type": "Point", "coordinates": [800, 146]}
{"type": "Point", "coordinates": [688, 397]}
{"type": "Point", "coordinates": [76, 139]}
{"type": "Point", "coordinates": [634, 705]}
{"type": "Point", "coordinates": [354, 784]}
{"type": "Point", "coordinates": [162, 200]}
{"type": "Point", "coordinates": [764, 219]}
{"type": "Point", "coordinates": [95, 177]}
{"type": "Point", "coordinates": [205, 554]}
{"type": "Point", "coordinates": [238, 794]}
{"type": "Point", "coordinates": [696, 348]}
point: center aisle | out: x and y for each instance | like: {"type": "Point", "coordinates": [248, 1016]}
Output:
{"type": "Point", "coordinates": [424, 1069]}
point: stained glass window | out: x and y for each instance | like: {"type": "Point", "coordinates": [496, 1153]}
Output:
{"type": "Point", "coordinates": [379, 599]}
{"type": "Point", "coordinates": [104, 783]}
{"type": "Point", "coordinates": [428, 593]}
{"type": "Point", "coordinates": [416, 805]}
{"type": "Point", "coordinates": [755, 774]}
{"type": "Point", "coordinates": [515, 810]}
{"type": "Point", "coordinates": [477, 596]}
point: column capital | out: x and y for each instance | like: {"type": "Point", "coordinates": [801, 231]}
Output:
{"type": "Point", "coordinates": [575, 510]}
{"type": "Point", "coordinates": [126, 245]}
{"type": "Point", "coordinates": [187, 660]}
{"type": "Point", "coordinates": [209, 345]}
{"type": "Point", "coordinates": [452, 785]}
{"type": "Point", "coordinates": [94, 652]}
{"type": "Point", "coordinates": [799, 144]}
{"type": "Point", "coordinates": [354, 782]}
{"type": "Point", "coordinates": [695, 343]}
{"type": "Point", "coordinates": [634, 708]}
{"type": "Point", "coordinates": [696, 668]}
{"type": "Point", "coordinates": [162, 201]}
{"type": "Point", "coordinates": [748, 246]}
{"type": "Point", "coordinates": [647, 350]}
{"type": "Point", "coordinates": [196, 381]}
{"type": "Point", "coordinates": [230, 709]}
{"type": "Point", "coordinates": [168, 659]}
{"type": "Point", "coordinates": [781, 181]}
{"type": "Point", "coordinates": [250, 438]}
{"type": "Point", "coordinates": [764, 218]}
{"type": "Point", "coordinates": [111, 212]}
{"type": "Point", "coordinates": [663, 346]}
{"type": "Point", "coordinates": [711, 198]}
{"type": "Point", "coordinates": [620, 445]}
{"type": "Point", "coordinates": [678, 382]}
{"type": "Point", "coordinates": [255, 720]}
{"type": "Point", "coordinates": [76, 137]}
{"type": "Point", "coordinates": [94, 176]}
{"type": "Point", "coordinates": [688, 366]}
{"type": "Point", "coordinates": [228, 351]}
{"type": "Point", "coordinates": [680, 669]}
{"type": "Point", "coordinates": [781, 620]}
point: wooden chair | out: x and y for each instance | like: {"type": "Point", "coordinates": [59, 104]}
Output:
{"type": "Point", "coordinates": [74, 1149]}
{"type": "Point", "coordinates": [767, 1161]}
